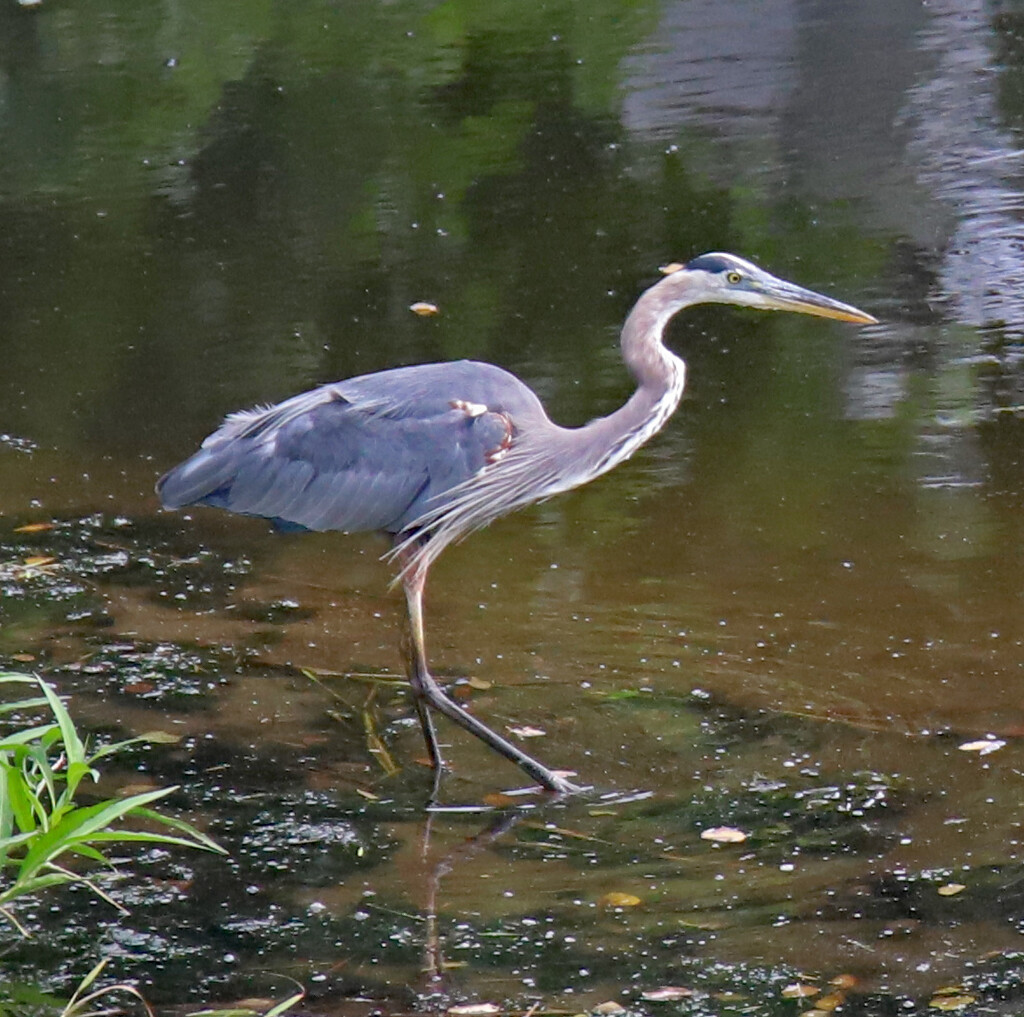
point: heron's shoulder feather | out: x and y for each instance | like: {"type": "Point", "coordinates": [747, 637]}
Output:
{"type": "Point", "coordinates": [420, 391]}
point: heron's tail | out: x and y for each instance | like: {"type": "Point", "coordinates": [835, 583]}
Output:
{"type": "Point", "coordinates": [196, 480]}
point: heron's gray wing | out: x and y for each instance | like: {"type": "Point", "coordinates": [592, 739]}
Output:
{"type": "Point", "coordinates": [353, 456]}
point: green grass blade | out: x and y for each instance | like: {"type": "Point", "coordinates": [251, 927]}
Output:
{"type": "Point", "coordinates": [18, 798]}
{"type": "Point", "coordinates": [22, 887]}
{"type": "Point", "coordinates": [26, 735]}
{"type": "Point", "coordinates": [80, 825]}
{"type": "Point", "coordinates": [73, 746]}
{"type": "Point", "coordinates": [185, 828]}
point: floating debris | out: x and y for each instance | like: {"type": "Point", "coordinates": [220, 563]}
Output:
{"type": "Point", "coordinates": [983, 747]}
{"type": "Point", "coordinates": [666, 993]}
{"type": "Point", "coordinates": [724, 835]}
{"type": "Point", "coordinates": [619, 900]}
{"type": "Point", "coordinates": [425, 309]}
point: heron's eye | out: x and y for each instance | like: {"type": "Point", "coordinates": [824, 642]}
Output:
{"type": "Point", "coordinates": [734, 278]}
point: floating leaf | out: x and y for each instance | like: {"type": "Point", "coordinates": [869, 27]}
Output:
{"type": "Point", "coordinates": [23, 658]}
{"type": "Point", "coordinates": [951, 889]}
{"type": "Point", "coordinates": [843, 981]}
{"type": "Point", "coordinates": [425, 309]}
{"type": "Point", "coordinates": [34, 528]}
{"type": "Point", "coordinates": [139, 688]}
{"type": "Point", "coordinates": [498, 800]}
{"type": "Point", "coordinates": [798, 990]}
{"type": "Point", "coordinates": [474, 1010]}
{"type": "Point", "coordinates": [37, 560]}
{"type": "Point", "coordinates": [160, 737]}
{"type": "Point", "coordinates": [140, 787]}
{"type": "Point", "coordinates": [831, 1002]}
{"type": "Point", "coordinates": [528, 732]}
{"type": "Point", "coordinates": [671, 268]}
{"type": "Point", "coordinates": [951, 1002]}
{"type": "Point", "coordinates": [724, 835]}
{"type": "Point", "coordinates": [666, 993]}
{"type": "Point", "coordinates": [704, 924]}
{"type": "Point", "coordinates": [983, 746]}
{"type": "Point", "coordinates": [609, 1007]}
{"type": "Point", "coordinates": [368, 795]}
{"type": "Point", "coordinates": [480, 684]}
{"type": "Point", "coordinates": [619, 900]}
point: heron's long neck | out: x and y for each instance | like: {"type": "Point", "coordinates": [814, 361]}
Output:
{"type": "Point", "coordinates": [660, 377]}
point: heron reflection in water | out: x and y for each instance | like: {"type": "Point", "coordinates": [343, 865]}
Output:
{"type": "Point", "coordinates": [427, 454]}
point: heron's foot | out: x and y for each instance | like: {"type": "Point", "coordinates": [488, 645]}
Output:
{"type": "Point", "coordinates": [565, 787]}
{"type": "Point", "coordinates": [559, 784]}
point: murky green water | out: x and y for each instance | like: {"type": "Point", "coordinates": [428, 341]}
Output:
{"type": "Point", "coordinates": [786, 615]}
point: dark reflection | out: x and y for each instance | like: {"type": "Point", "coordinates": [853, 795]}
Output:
{"type": "Point", "coordinates": [434, 968]}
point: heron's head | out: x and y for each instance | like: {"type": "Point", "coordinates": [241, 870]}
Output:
{"type": "Point", "coordinates": [726, 279]}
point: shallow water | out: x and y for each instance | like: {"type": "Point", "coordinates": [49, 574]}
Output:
{"type": "Point", "coordinates": [786, 615]}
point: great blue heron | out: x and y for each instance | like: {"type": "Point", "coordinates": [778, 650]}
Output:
{"type": "Point", "coordinates": [429, 453]}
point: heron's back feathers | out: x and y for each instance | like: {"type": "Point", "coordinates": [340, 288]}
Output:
{"type": "Point", "coordinates": [370, 453]}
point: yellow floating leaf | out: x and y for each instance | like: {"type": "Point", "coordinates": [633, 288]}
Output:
{"type": "Point", "coordinates": [474, 1009]}
{"type": "Point", "coordinates": [368, 795]}
{"type": "Point", "coordinates": [23, 658]}
{"type": "Point", "coordinates": [666, 993]}
{"type": "Point", "coordinates": [41, 559]}
{"type": "Point", "coordinates": [983, 746]}
{"type": "Point", "coordinates": [724, 835]}
{"type": "Point", "coordinates": [34, 528]}
{"type": "Point", "coordinates": [671, 267]}
{"type": "Point", "coordinates": [609, 1007]}
{"type": "Point", "coordinates": [799, 991]}
{"type": "Point", "coordinates": [951, 1002]}
{"type": "Point", "coordinates": [619, 900]}
{"type": "Point", "coordinates": [425, 309]}
{"type": "Point", "coordinates": [480, 684]}
{"type": "Point", "coordinates": [951, 889]}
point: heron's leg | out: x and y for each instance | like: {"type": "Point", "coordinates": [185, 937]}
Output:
{"type": "Point", "coordinates": [428, 694]}
{"type": "Point", "coordinates": [413, 655]}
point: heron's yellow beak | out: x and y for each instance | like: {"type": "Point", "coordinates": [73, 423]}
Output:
{"type": "Point", "coordinates": [784, 296]}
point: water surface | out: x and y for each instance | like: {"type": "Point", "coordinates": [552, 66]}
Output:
{"type": "Point", "coordinates": [786, 615]}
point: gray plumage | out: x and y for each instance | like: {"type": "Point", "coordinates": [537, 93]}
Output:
{"type": "Point", "coordinates": [370, 453]}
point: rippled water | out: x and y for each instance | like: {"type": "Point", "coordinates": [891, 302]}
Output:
{"type": "Point", "coordinates": [787, 615]}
